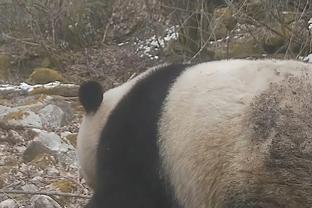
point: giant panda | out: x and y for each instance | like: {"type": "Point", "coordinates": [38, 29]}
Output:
{"type": "Point", "coordinates": [221, 134]}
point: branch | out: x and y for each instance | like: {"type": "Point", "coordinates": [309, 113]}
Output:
{"type": "Point", "coordinates": [52, 193]}
{"type": "Point", "coordinates": [20, 40]}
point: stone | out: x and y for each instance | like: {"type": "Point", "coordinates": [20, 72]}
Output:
{"type": "Point", "coordinates": [34, 149]}
{"type": "Point", "coordinates": [52, 141]}
{"type": "Point", "coordinates": [43, 201]}
{"type": "Point", "coordinates": [29, 187]}
{"type": "Point", "coordinates": [51, 116]}
{"type": "Point", "coordinates": [24, 118]}
{"type": "Point", "coordinates": [9, 203]}
{"type": "Point", "coordinates": [5, 110]}
{"type": "Point", "coordinates": [44, 75]}
{"type": "Point", "coordinates": [64, 185]}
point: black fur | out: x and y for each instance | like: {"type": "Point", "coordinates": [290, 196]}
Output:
{"type": "Point", "coordinates": [128, 168]}
{"type": "Point", "coordinates": [91, 96]}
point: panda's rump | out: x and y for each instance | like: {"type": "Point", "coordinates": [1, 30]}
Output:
{"type": "Point", "coordinates": [206, 140]}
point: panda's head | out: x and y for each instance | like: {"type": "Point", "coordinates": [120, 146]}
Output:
{"type": "Point", "coordinates": [97, 105]}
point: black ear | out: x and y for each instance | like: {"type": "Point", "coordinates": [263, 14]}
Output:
{"type": "Point", "coordinates": [90, 96]}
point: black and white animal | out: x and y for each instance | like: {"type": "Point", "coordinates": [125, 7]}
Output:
{"type": "Point", "coordinates": [222, 134]}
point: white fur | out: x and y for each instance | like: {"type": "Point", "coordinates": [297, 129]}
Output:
{"type": "Point", "coordinates": [203, 142]}
{"type": "Point", "coordinates": [93, 124]}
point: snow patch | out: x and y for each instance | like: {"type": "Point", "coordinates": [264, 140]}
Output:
{"type": "Point", "coordinates": [28, 88]}
{"type": "Point", "coordinates": [308, 58]}
{"type": "Point", "coordinates": [310, 24]}
{"type": "Point", "coordinates": [153, 44]}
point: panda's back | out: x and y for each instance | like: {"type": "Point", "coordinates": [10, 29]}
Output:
{"type": "Point", "coordinates": [226, 87]}
{"type": "Point", "coordinates": [207, 127]}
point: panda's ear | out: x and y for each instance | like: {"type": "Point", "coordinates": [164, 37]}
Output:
{"type": "Point", "coordinates": [90, 96]}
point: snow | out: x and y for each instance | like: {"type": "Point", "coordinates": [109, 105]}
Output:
{"type": "Point", "coordinates": [28, 88]}
{"type": "Point", "coordinates": [153, 44]}
{"type": "Point", "coordinates": [308, 58]}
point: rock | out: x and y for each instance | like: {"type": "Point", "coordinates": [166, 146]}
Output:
{"type": "Point", "coordinates": [240, 48]}
{"type": "Point", "coordinates": [5, 110]}
{"type": "Point", "coordinates": [43, 201]}
{"type": "Point", "coordinates": [68, 158]}
{"type": "Point", "coordinates": [37, 179]}
{"type": "Point", "coordinates": [29, 187]}
{"type": "Point", "coordinates": [9, 203]}
{"type": "Point", "coordinates": [52, 171]}
{"type": "Point", "coordinates": [14, 137]}
{"type": "Point", "coordinates": [31, 102]}
{"type": "Point", "coordinates": [256, 10]}
{"type": "Point", "coordinates": [24, 118]}
{"type": "Point", "coordinates": [52, 141]}
{"type": "Point", "coordinates": [4, 67]}
{"type": "Point", "coordinates": [47, 148]}
{"type": "Point", "coordinates": [71, 138]}
{"type": "Point", "coordinates": [66, 106]}
{"type": "Point", "coordinates": [34, 149]}
{"type": "Point", "coordinates": [51, 116]}
{"type": "Point", "coordinates": [224, 21]}
{"type": "Point", "coordinates": [44, 75]}
{"type": "Point", "coordinates": [43, 161]}
{"type": "Point", "coordinates": [128, 17]}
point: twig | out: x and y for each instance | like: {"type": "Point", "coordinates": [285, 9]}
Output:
{"type": "Point", "coordinates": [201, 24]}
{"type": "Point", "coordinates": [228, 44]}
{"type": "Point", "coordinates": [293, 35]}
{"type": "Point", "coordinates": [20, 40]}
{"type": "Point", "coordinates": [52, 193]}
{"type": "Point", "coordinates": [180, 9]}
{"type": "Point", "coordinates": [204, 45]}
{"type": "Point", "coordinates": [106, 28]}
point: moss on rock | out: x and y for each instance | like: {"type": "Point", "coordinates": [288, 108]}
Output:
{"type": "Point", "coordinates": [239, 49]}
{"type": "Point", "coordinates": [16, 115]}
{"type": "Point", "coordinates": [225, 21]}
{"type": "Point", "coordinates": [64, 185]}
{"type": "Point", "coordinates": [44, 160]}
{"type": "Point", "coordinates": [45, 75]}
{"type": "Point", "coordinates": [72, 139]}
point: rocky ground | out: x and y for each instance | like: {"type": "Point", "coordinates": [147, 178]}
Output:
{"type": "Point", "coordinates": [38, 164]}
